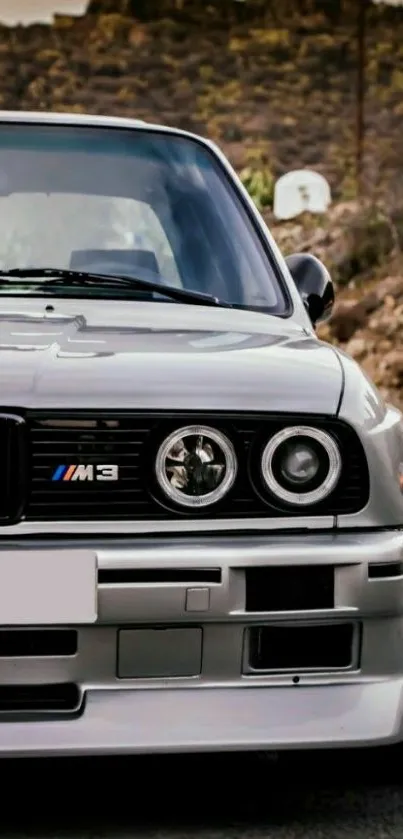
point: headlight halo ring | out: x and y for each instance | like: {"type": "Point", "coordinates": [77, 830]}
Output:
{"type": "Point", "coordinates": [315, 496]}
{"type": "Point", "coordinates": [230, 460]}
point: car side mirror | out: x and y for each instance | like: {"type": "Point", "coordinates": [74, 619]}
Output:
{"type": "Point", "coordinates": [314, 284]}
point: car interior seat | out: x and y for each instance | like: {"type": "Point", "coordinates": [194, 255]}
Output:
{"type": "Point", "coordinates": [118, 261]}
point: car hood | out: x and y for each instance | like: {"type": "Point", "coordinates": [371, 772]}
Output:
{"type": "Point", "coordinates": [124, 355]}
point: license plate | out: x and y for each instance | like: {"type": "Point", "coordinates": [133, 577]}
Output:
{"type": "Point", "coordinates": [48, 587]}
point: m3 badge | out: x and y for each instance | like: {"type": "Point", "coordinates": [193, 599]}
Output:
{"type": "Point", "coordinates": [86, 472]}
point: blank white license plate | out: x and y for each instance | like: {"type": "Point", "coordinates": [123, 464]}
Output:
{"type": "Point", "coordinates": [48, 587]}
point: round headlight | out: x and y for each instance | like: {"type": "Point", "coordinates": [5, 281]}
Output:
{"type": "Point", "coordinates": [196, 466]}
{"type": "Point", "coordinates": [301, 465]}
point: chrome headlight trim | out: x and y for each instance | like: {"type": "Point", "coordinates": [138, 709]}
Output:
{"type": "Point", "coordinates": [314, 496]}
{"type": "Point", "coordinates": [229, 464]}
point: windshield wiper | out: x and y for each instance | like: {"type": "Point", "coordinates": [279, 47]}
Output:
{"type": "Point", "coordinates": [64, 277]}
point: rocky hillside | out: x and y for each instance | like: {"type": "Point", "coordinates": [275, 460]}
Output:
{"type": "Point", "coordinates": [368, 325]}
{"type": "Point", "coordinates": [362, 244]}
{"type": "Point", "coordinates": [273, 83]}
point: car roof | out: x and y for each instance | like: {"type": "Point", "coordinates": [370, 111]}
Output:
{"type": "Point", "coordinates": [89, 120]}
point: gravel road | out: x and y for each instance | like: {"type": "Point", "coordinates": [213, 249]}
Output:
{"type": "Point", "coordinates": [239, 797]}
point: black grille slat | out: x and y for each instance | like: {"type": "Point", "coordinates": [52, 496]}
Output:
{"type": "Point", "coordinates": [51, 456]}
{"type": "Point", "coordinates": [39, 698]}
{"type": "Point", "coordinates": [319, 647]}
{"type": "Point", "coordinates": [132, 445]}
{"type": "Point", "coordinates": [13, 467]}
{"type": "Point", "coordinates": [29, 643]}
{"type": "Point", "coordinates": [127, 576]}
{"type": "Point", "coordinates": [289, 588]}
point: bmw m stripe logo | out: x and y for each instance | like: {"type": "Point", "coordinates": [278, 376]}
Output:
{"type": "Point", "coordinates": [86, 472]}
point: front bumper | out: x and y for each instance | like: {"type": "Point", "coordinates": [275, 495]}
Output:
{"type": "Point", "coordinates": [177, 659]}
{"type": "Point", "coordinates": [217, 719]}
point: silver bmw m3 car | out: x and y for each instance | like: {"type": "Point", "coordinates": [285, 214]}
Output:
{"type": "Point", "coordinates": [201, 509]}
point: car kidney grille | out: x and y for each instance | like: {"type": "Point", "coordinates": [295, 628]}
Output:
{"type": "Point", "coordinates": [130, 441]}
{"type": "Point", "coordinates": [13, 467]}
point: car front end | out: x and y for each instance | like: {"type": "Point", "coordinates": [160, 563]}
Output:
{"type": "Point", "coordinates": [200, 518]}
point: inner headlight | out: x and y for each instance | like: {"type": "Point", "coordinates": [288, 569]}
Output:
{"type": "Point", "coordinates": [301, 465]}
{"type": "Point", "coordinates": [196, 466]}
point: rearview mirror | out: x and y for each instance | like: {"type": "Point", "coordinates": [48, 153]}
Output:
{"type": "Point", "coordinates": [314, 284]}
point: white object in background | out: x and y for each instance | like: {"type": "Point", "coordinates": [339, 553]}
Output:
{"type": "Point", "coordinates": [27, 12]}
{"type": "Point", "coordinates": [299, 191]}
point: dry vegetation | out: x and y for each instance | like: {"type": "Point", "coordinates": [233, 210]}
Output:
{"type": "Point", "coordinates": [273, 83]}
{"type": "Point", "coordinates": [276, 90]}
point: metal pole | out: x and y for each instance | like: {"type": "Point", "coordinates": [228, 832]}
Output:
{"type": "Point", "coordinates": [360, 112]}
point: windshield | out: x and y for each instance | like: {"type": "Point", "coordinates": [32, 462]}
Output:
{"type": "Point", "coordinates": [134, 202]}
